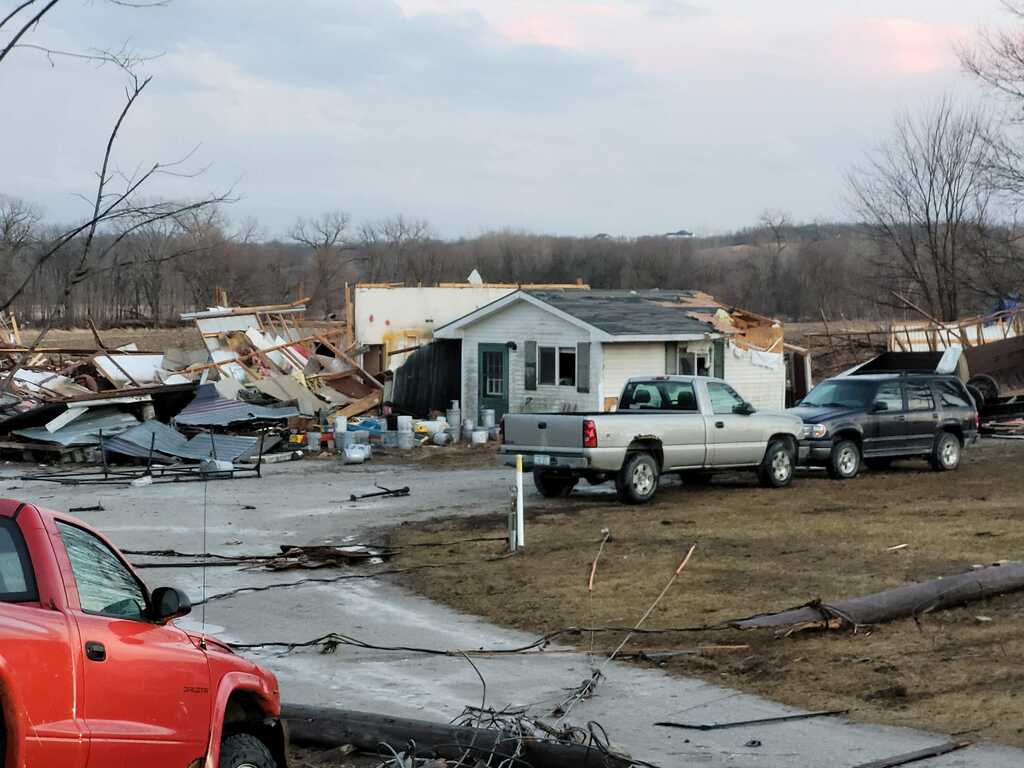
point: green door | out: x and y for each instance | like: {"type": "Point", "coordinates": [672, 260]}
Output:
{"type": "Point", "coordinates": [493, 364]}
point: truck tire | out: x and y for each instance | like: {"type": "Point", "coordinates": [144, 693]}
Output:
{"type": "Point", "coordinates": [844, 461]}
{"type": "Point", "coordinates": [776, 468]}
{"type": "Point", "coordinates": [552, 486]}
{"type": "Point", "coordinates": [637, 481]}
{"type": "Point", "coordinates": [245, 751]}
{"type": "Point", "coordinates": [945, 453]}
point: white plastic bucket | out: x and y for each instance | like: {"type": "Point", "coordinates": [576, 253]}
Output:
{"type": "Point", "coordinates": [479, 437]}
{"type": "Point", "coordinates": [405, 423]}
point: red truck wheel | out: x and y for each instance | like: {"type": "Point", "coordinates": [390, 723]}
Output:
{"type": "Point", "coordinates": [245, 751]}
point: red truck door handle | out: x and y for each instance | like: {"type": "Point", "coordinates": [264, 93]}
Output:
{"type": "Point", "coordinates": [95, 651]}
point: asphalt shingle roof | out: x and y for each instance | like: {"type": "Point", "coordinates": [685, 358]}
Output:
{"type": "Point", "coordinates": [628, 313]}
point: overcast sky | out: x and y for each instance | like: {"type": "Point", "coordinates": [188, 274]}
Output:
{"type": "Point", "coordinates": [562, 116]}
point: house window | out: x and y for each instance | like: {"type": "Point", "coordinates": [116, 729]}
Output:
{"type": "Point", "coordinates": [548, 362]}
{"type": "Point", "coordinates": [567, 366]}
{"type": "Point", "coordinates": [695, 363]}
{"type": "Point", "coordinates": [557, 366]}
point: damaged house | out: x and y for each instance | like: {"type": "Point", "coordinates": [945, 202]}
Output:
{"type": "Point", "coordinates": [570, 350]}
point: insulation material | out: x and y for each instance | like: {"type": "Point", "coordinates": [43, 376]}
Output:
{"type": "Point", "coordinates": [46, 383]}
{"type": "Point", "coordinates": [770, 360]}
{"type": "Point", "coordinates": [143, 369]}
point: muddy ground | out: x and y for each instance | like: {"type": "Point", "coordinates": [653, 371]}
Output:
{"type": "Point", "coordinates": [958, 671]}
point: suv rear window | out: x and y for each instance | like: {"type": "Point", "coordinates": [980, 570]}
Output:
{"type": "Point", "coordinates": [952, 394]}
{"type": "Point", "coordinates": [17, 581]}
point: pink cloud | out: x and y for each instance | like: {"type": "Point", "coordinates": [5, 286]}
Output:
{"type": "Point", "coordinates": [900, 46]}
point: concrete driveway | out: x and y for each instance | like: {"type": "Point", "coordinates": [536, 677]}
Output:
{"type": "Point", "coordinates": [306, 503]}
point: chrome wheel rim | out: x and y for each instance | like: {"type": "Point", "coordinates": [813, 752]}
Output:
{"type": "Point", "coordinates": [782, 466]}
{"type": "Point", "coordinates": [643, 479]}
{"type": "Point", "coordinates": [847, 461]}
{"type": "Point", "coordinates": [950, 453]}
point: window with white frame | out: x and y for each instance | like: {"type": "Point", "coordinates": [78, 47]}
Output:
{"type": "Point", "coordinates": [698, 362]}
{"type": "Point", "coordinates": [557, 366]}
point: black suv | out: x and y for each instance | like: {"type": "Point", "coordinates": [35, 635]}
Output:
{"type": "Point", "coordinates": [873, 419]}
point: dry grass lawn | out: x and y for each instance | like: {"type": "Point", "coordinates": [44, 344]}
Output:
{"type": "Point", "coordinates": [958, 671]}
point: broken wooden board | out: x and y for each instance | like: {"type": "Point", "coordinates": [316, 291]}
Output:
{"type": "Point", "coordinates": [361, 406]}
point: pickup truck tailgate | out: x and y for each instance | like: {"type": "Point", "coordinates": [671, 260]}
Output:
{"type": "Point", "coordinates": [540, 431]}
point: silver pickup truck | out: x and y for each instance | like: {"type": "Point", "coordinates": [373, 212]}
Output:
{"type": "Point", "coordinates": [690, 425]}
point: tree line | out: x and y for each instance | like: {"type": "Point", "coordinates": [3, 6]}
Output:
{"type": "Point", "coordinates": [932, 229]}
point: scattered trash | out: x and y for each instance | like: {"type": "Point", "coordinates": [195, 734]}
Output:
{"type": "Point", "coordinates": [94, 508]}
{"type": "Point", "coordinates": [397, 492]}
{"type": "Point", "coordinates": [753, 743]}
{"type": "Point", "coordinates": [143, 481]}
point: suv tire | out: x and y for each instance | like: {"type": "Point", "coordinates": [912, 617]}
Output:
{"type": "Point", "coordinates": [637, 481]}
{"type": "Point", "coordinates": [776, 468]}
{"type": "Point", "coordinates": [245, 751]}
{"type": "Point", "coordinates": [552, 486]}
{"type": "Point", "coordinates": [946, 452]}
{"type": "Point", "coordinates": [845, 460]}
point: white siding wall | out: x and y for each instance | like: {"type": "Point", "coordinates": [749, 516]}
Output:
{"type": "Point", "coordinates": [621, 361]}
{"type": "Point", "coordinates": [521, 322]}
{"type": "Point", "coordinates": [764, 387]}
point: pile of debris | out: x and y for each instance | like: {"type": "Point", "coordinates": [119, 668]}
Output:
{"type": "Point", "coordinates": [261, 377]}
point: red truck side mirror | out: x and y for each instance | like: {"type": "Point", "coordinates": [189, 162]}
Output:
{"type": "Point", "coordinates": [168, 603]}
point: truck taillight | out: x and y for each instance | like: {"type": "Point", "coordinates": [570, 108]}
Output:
{"type": "Point", "coordinates": [589, 434]}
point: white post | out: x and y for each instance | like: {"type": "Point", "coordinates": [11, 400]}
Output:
{"type": "Point", "coordinates": [520, 523]}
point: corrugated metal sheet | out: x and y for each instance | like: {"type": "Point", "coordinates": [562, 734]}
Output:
{"type": "Point", "coordinates": [168, 442]}
{"type": "Point", "coordinates": [208, 409]}
{"type": "Point", "coordinates": [85, 430]}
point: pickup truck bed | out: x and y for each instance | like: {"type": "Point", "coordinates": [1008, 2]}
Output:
{"type": "Point", "coordinates": [687, 424]}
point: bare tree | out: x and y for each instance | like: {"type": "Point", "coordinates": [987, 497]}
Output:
{"type": "Point", "coordinates": [326, 237]}
{"type": "Point", "coordinates": [116, 200]}
{"type": "Point", "coordinates": [998, 62]}
{"type": "Point", "coordinates": [924, 196]}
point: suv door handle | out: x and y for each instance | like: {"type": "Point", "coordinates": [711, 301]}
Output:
{"type": "Point", "coordinates": [720, 424]}
{"type": "Point", "coordinates": [95, 651]}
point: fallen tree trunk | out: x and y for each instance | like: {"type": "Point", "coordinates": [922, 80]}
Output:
{"type": "Point", "coordinates": [900, 602]}
{"type": "Point", "coordinates": [329, 728]}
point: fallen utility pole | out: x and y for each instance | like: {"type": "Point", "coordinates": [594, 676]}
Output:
{"type": "Point", "coordinates": [397, 492]}
{"type": "Point", "coordinates": [899, 602]}
{"type": "Point", "coordinates": [913, 757]}
{"type": "Point", "coordinates": [744, 723]}
{"type": "Point", "coordinates": [329, 728]}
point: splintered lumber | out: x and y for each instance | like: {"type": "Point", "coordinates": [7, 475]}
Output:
{"type": "Point", "coordinates": [914, 757]}
{"type": "Point", "coordinates": [359, 407]}
{"type": "Point", "coordinates": [324, 728]}
{"type": "Point", "coordinates": [900, 602]}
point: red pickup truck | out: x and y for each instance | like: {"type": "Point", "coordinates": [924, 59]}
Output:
{"type": "Point", "coordinates": [94, 674]}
